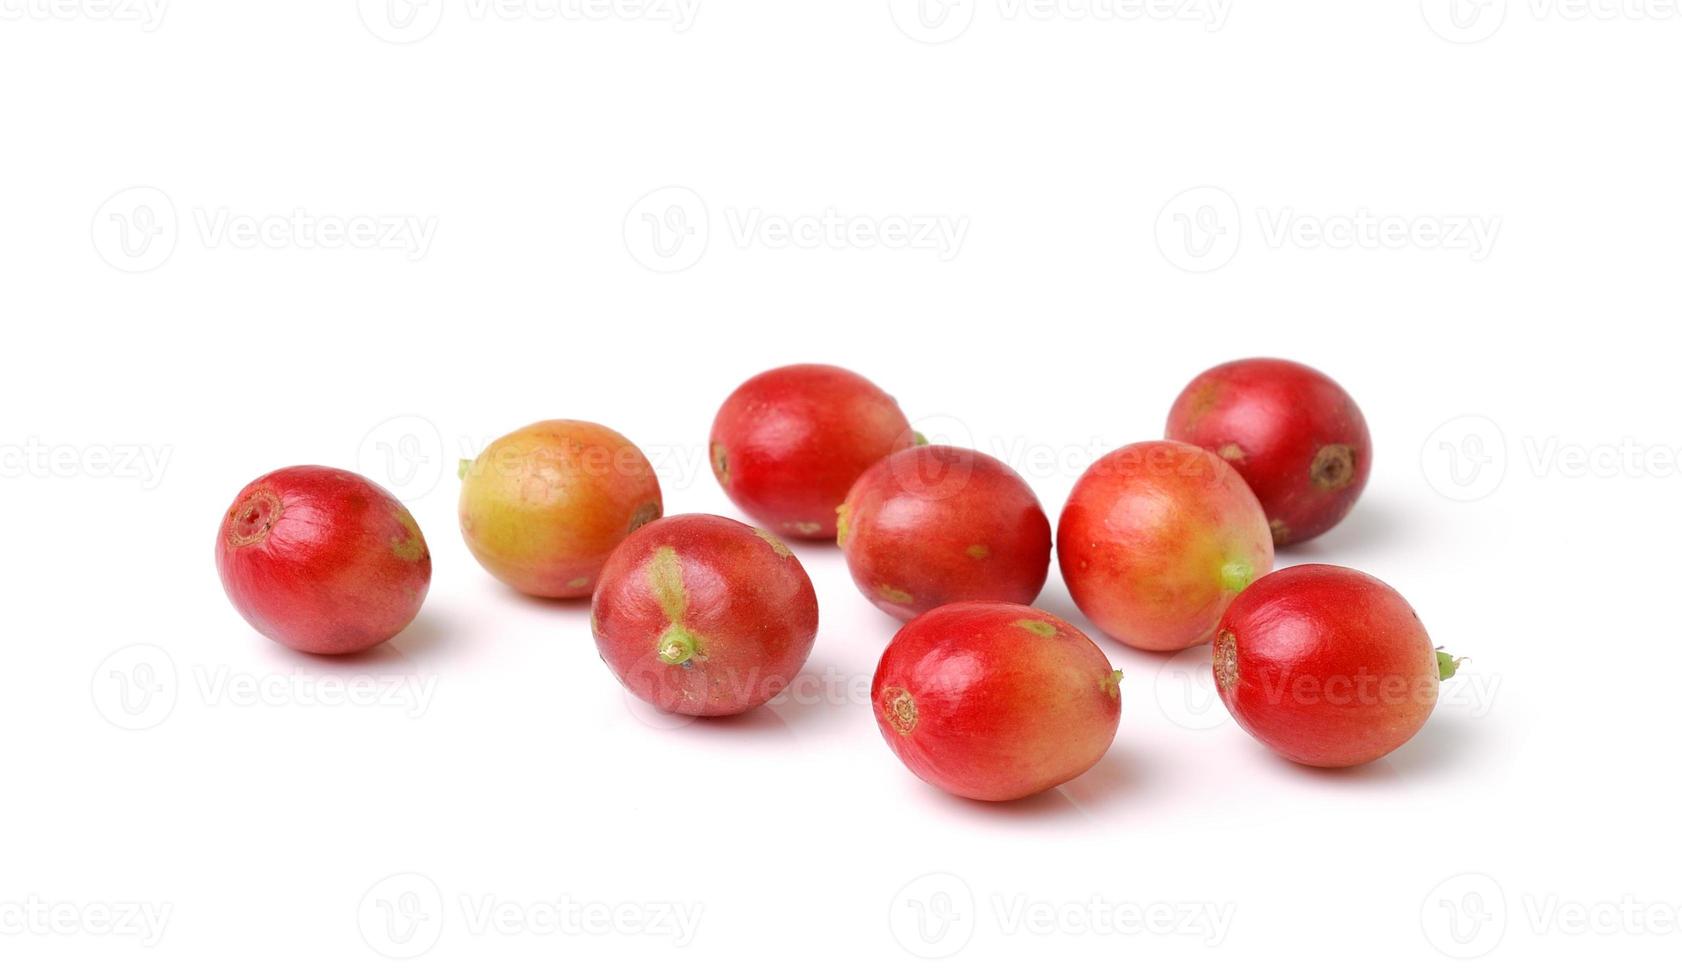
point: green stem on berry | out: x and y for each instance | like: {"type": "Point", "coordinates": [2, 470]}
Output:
{"type": "Point", "coordinates": [1447, 664]}
{"type": "Point", "coordinates": [1236, 576]}
{"type": "Point", "coordinates": [677, 646]}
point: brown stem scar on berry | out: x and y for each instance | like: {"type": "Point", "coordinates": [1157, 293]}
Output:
{"type": "Point", "coordinates": [721, 463]}
{"type": "Point", "coordinates": [978, 551]}
{"type": "Point", "coordinates": [900, 708]}
{"type": "Point", "coordinates": [650, 510]}
{"type": "Point", "coordinates": [1204, 399]}
{"type": "Point", "coordinates": [1333, 467]}
{"type": "Point", "coordinates": [1281, 531]}
{"type": "Point", "coordinates": [1226, 661]}
{"type": "Point", "coordinates": [1037, 627]}
{"type": "Point", "coordinates": [775, 542]}
{"type": "Point", "coordinates": [251, 522]}
{"type": "Point", "coordinates": [1232, 453]}
{"type": "Point", "coordinates": [842, 513]}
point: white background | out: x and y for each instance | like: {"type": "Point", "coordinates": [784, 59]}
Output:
{"type": "Point", "coordinates": [1521, 399]}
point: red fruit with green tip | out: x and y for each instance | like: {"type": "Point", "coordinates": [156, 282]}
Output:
{"type": "Point", "coordinates": [1327, 666]}
{"type": "Point", "coordinates": [702, 615]}
{"type": "Point", "coordinates": [1295, 436]}
{"type": "Point", "coordinates": [940, 524]}
{"type": "Point", "coordinates": [995, 701]}
{"type": "Point", "coordinates": [788, 444]}
{"type": "Point", "coordinates": [1156, 540]}
{"type": "Point", "coordinates": [322, 560]}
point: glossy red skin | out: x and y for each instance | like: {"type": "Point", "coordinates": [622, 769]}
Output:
{"type": "Point", "coordinates": [939, 524]}
{"type": "Point", "coordinates": [1326, 666]}
{"type": "Point", "coordinates": [788, 444]}
{"type": "Point", "coordinates": [1297, 438]}
{"type": "Point", "coordinates": [322, 560]}
{"type": "Point", "coordinates": [995, 701]}
{"type": "Point", "coordinates": [736, 596]}
{"type": "Point", "coordinates": [1155, 541]}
